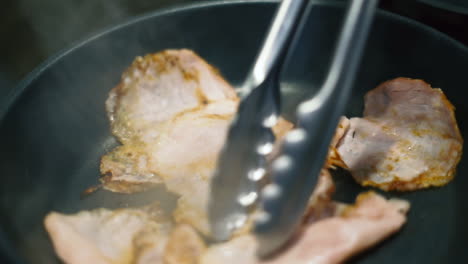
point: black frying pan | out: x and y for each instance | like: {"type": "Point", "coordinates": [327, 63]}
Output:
{"type": "Point", "coordinates": [54, 128]}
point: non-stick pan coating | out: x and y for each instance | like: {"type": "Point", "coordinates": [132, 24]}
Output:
{"type": "Point", "coordinates": [54, 129]}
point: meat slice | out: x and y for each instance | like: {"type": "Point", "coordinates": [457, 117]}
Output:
{"type": "Point", "coordinates": [334, 160]}
{"type": "Point", "coordinates": [154, 92]}
{"type": "Point", "coordinates": [282, 128]}
{"type": "Point", "coordinates": [127, 169]}
{"type": "Point", "coordinates": [241, 249]}
{"type": "Point", "coordinates": [321, 204]}
{"type": "Point", "coordinates": [171, 112]}
{"type": "Point", "coordinates": [157, 87]}
{"type": "Point", "coordinates": [185, 246]}
{"type": "Point", "coordinates": [408, 138]}
{"type": "Point", "coordinates": [358, 227]}
{"type": "Point", "coordinates": [328, 241]}
{"type": "Point", "coordinates": [110, 236]}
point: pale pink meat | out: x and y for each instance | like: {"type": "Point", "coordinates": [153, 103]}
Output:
{"type": "Point", "coordinates": [328, 241]}
{"type": "Point", "coordinates": [320, 202]}
{"type": "Point", "coordinates": [105, 236]}
{"type": "Point", "coordinates": [185, 246]}
{"type": "Point", "coordinates": [158, 87]}
{"type": "Point", "coordinates": [408, 138]}
{"type": "Point", "coordinates": [154, 92]}
{"type": "Point", "coordinates": [171, 112]}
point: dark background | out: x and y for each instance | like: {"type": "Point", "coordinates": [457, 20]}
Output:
{"type": "Point", "coordinates": [33, 30]}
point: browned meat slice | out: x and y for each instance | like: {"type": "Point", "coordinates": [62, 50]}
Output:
{"type": "Point", "coordinates": [154, 93]}
{"type": "Point", "coordinates": [160, 86]}
{"type": "Point", "coordinates": [334, 158]}
{"type": "Point", "coordinates": [328, 241]}
{"type": "Point", "coordinates": [106, 236]}
{"type": "Point", "coordinates": [407, 140]}
{"type": "Point", "coordinates": [126, 169]}
{"type": "Point", "coordinates": [171, 112]}
{"type": "Point", "coordinates": [184, 246]}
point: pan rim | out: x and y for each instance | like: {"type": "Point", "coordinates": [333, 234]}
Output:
{"type": "Point", "coordinates": [6, 248]}
{"type": "Point", "coordinates": [11, 98]}
{"type": "Point", "coordinates": [446, 6]}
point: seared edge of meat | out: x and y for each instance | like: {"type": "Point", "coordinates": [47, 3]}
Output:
{"type": "Point", "coordinates": [408, 138]}
{"type": "Point", "coordinates": [159, 86]}
{"type": "Point", "coordinates": [156, 91]}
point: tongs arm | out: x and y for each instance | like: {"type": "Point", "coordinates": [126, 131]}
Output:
{"type": "Point", "coordinates": [295, 172]}
{"type": "Point", "coordinates": [233, 191]}
{"type": "Point", "coordinates": [275, 45]}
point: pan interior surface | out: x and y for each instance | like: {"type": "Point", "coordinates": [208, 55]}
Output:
{"type": "Point", "coordinates": [53, 135]}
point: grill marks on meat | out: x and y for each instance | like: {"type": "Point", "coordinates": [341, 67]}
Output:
{"type": "Point", "coordinates": [408, 138]}
{"type": "Point", "coordinates": [331, 240]}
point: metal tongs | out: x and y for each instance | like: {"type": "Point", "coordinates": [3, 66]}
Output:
{"type": "Point", "coordinates": [240, 184]}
